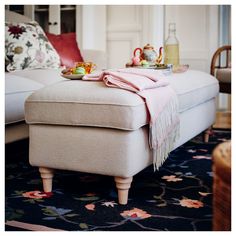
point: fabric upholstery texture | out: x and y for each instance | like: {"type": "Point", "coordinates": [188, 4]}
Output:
{"type": "Point", "coordinates": [45, 77]}
{"type": "Point", "coordinates": [107, 151]}
{"type": "Point", "coordinates": [17, 89]}
{"type": "Point", "coordinates": [224, 75]}
{"type": "Point", "coordinates": [88, 103]}
{"type": "Point", "coordinates": [16, 131]}
{"type": "Point", "coordinates": [27, 47]}
{"type": "Point", "coordinates": [67, 48]}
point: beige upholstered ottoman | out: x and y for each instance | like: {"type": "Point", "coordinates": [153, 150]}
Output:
{"type": "Point", "coordinates": [86, 126]}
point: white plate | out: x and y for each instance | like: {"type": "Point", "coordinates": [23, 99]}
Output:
{"type": "Point", "coordinates": [73, 76]}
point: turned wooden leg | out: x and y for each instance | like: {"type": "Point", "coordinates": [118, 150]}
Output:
{"type": "Point", "coordinates": [47, 176]}
{"type": "Point", "coordinates": [123, 185]}
{"type": "Point", "coordinates": [207, 134]}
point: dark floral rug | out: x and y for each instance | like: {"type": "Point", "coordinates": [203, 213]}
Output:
{"type": "Point", "coordinates": [177, 197]}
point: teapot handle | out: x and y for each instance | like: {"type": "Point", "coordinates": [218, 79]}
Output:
{"type": "Point", "coordinates": [159, 59]}
{"type": "Point", "coordinates": [140, 51]}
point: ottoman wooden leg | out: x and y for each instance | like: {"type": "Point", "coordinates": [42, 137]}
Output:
{"type": "Point", "coordinates": [207, 134]}
{"type": "Point", "coordinates": [123, 185]}
{"type": "Point", "coordinates": [47, 176]}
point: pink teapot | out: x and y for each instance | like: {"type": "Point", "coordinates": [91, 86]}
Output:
{"type": "Point", "coordinates": [149, 54]}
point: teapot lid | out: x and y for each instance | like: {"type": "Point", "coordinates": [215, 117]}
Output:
{"type": "Point", "coordinates": [148, 46]}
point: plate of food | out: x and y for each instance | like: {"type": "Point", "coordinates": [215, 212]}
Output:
{"type": "Point", "coordinates": [71, 76]}
{"type": "Point", "coordinates": [78, 71]}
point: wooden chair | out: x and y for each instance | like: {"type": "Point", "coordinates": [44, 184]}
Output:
{"type": "Point", "coordinates": [221, 68]}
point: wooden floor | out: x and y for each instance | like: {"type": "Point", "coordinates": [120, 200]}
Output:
{"type": "Point", "coordinates": [223, 120]}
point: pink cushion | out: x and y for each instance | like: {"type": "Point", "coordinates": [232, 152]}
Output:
{"type": "Point", "coordinates": [67, 48]}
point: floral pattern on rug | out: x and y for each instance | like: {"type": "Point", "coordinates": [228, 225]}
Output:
{"type": "Point", "coordinates": [178, 197]}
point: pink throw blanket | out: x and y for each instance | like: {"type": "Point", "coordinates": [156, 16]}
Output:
{"type": "Point", "coordinates": [161, 102]}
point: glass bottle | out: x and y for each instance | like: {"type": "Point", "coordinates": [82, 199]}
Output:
{"type": "Point", "coordinates": [171, 47]}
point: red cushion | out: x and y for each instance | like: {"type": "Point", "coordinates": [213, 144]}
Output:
{"type": "Point", "coordinates": [67, 48]}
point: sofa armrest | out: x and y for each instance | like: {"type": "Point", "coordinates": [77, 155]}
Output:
{"type": "Point", "coordinates": [96, 56]}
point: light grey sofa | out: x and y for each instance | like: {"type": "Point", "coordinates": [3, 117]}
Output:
{"type": "Point", "coordinates": [85, 126]}
{"type": "Point", "coordinates": [20, 84]}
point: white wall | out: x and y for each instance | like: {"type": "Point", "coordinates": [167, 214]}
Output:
{"type": "Point", "coordinates": [124, 33]}
{"type": "Point", "coordinates": [197, 32]}
{"type": "Point", "coordinates": [94, 27]}
{"type": "Point", "coordinates": [132, 26]}
{"type": "Point", "coordinates": [119, 29]}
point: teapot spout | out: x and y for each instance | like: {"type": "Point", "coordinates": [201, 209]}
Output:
{"type": "Point", "coordinates": [159, 59]}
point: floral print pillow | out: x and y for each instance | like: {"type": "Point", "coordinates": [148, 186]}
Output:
{"type": "Point", "coordinates": [27, 47]}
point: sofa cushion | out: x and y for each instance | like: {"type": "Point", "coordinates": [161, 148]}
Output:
{"type": "Point", "coordinates": [42, 76]}
{"type": "Point", "coordinates": [89, 103]}
{"type": "Point", "coordinates": [224, 75]}
{"type": "Point", "coordinates": [27, 47]}
{"type": "Point", "coordinates": [193, 88]}
{"type": "Point", "coordinates": [17, 89]}
{"type": "Point", "coordinates": [67, 48]}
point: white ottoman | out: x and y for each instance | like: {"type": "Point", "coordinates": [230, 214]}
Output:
{"type": "Point", "coordinates": [86, 126]}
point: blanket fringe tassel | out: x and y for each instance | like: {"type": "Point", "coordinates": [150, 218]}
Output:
{"type": "Point", "coordinates": [164, 132]}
